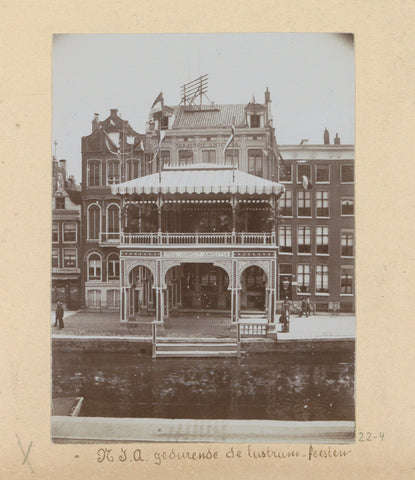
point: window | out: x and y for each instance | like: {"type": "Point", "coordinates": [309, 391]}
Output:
{"type": "Point", "coordinates": [346, 286]}
{"type": "Point", "coordinates": [322, 240]}
{"type": "Point", "coordinates": [69, 232]}
{"type": "Point", "coordinates": [55, 258]}
{"type": "Point", "coordinates": [94, 173]}
{"type": "Point", "coordinates": [255, 162]}
{"type": "Point", "coordinates": [255, 278]}
{"type": "Point", "coordinates": [285, 275]}
{"type": "Point", "coordinates": [286, 204]}
{"type": "Point", "coordinates": [185, 157]}
{"type": "Point", "coordinates": [232, 155]}
{"type": "Point", "coordinates": [208, 156]}
{"type": "Point", "coordinates": [164, 123]}
{"type": "Point", "coordinates": [165, 157]}
{"type": "Point", "coordinates": [347, 244]}
{"type": "Point", "coordinates": [94, 298]}
{"type": "Point", "coordinates": [304, 239]}
{"type": "Point", "coordinates": [255, 121]}
{"type": "Point", "coordinates": [347, 206]}
{"type": "Point", "coordinates": [304, 203]}
{"type": "Point", "coordinates": [113, 172]}
{"type": "Point", "coordinates": [113, 267]}
{"type": "Point", "coordinates": [94, 213]}
{"type": "Point", "coordinates": [284, 239]}
{"type": "Point", "coordinates": [322, 279]}
{"type": "Point", "coordinates": [322, 204]}
{"type": "Point", "coordinates": [69, 257]}
{"type": "Point", "coordinates": [133, 169]}
{"type": "Point", "coordinates": [55, 233]}
{"type": "Point", "coordinates": [94, 267]}
{"type": "Point", "coordinates": [303, 170]}
{"type": "Point", "coordinates": [60, 203]}
{"type": "Point", "coordinates": [347, 174]}
{"type": "Point", "coordinates": [322, 173]}
{"type": "Point", "coordinates": [286, 173]}
{"type": "Point", "coordinates": [209, 279]}
{"type": "Point", "coordinates": [303, 279]}
{"type": "Point", "coordinates": [113, 299]}
{"type": "Point", "coordinates": [113, 220]}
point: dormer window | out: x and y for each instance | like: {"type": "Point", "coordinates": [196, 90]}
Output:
{"type": "Point", "coordinates": [60, 203]}
{"type": "Point", "coordinates": [164, 123]}
{"type": "Point", "coordinates": [255, 121]}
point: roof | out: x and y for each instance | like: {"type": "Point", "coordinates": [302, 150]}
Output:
{"type": "Point", "coordinates": [199, 178]}
{"type": "Point", "coordinates": [208, 116]}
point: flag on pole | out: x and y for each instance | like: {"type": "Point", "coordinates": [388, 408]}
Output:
{"type": "Point", "coordinates": [306, 183]}
{"type": "Point", "coordinates": [157, 150]}
{"type": "Point", "coordinates": [130, 139]}
{"type": "Point", "coordinates": [230, 139]}
{"type": "Point", "coordinates": [157, 104]}
{"type": "Point", "coordinates": [109, 143]}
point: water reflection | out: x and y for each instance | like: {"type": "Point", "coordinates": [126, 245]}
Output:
{"type": "Point", "coordinates": [257, 386]}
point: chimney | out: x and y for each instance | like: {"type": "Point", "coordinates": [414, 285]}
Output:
{"type": "Point", "coordinates": [62, 168]}
{"type": "Point", "coordinates": [337, 139]}
{"type": "Point", "coordinates": [326, 137]}
{"type": "Point", "coordinates": [114, 111]}
{"type": "Point", "coordinates": [95, 122]}
{"type": "Point", "coordinates": [267, 96]}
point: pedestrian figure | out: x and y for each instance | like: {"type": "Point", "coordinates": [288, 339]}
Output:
{"type": "Point", "coordinates": [303, 307]}
{"type": "Point", "coordinates": [307, 307]}
{"type": "Point", "coordinates": [286, 308]}
{"type": "Point", "coordinates": [59, 316]}
{"type": "Point", "coordinates": [284, 321]}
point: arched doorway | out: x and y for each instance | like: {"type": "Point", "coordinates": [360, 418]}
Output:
{"type": "Point", "coordinates": [141, 298]}
{"type": "Point", "coordinates": [198, 286]}
{"type": "Point", "coordinates": [253, 293]}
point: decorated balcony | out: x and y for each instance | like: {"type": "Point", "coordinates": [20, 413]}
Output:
{"type": "Point", "coordinates": [188, 239]}
{"type": "Point", "coordinates": [201, 205]}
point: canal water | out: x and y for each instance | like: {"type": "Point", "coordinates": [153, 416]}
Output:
{"type": "Point", "coordinates": [263, 386]}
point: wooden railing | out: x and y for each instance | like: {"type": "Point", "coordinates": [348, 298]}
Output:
{"type": "Point", "coordinates": [191, 238]}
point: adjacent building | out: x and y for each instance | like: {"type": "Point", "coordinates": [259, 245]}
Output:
{"type": "Point", "coordinates": [66, 237]}
{"type": "Point", "coordinates": [111, 154]}
{"type": "Point", "coordinates": [316, 225]}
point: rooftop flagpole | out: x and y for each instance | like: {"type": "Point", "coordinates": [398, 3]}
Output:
{"type": "Point", "coordinates": [233, 150]}
{"type": "Point", "coordinates": [159, 138]}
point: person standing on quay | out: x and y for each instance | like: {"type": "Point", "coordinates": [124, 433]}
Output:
{"type": "Point", "coordinates": [59, 316]}
{"type": "Point", "coordinates": [308, 310]}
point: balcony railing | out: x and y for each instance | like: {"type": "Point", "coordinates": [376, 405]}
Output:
{"type": "Point", "coordinates": [208, 239]}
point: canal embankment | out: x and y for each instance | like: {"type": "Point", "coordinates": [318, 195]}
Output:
{"type": "Point", "coordinates": [102, 332]}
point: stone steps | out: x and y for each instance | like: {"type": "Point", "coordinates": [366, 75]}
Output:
{"type": "Point", "coordinates": [195, 349]}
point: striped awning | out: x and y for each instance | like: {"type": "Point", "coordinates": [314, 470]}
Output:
{"type": "Point", "coordinates": [199, 179]}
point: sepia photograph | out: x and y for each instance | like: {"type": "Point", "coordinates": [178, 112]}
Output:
{"type": "Point", "coordinates": [203, 238]}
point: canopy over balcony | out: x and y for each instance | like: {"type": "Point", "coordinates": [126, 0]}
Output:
{"type": "Point", "coordinates": [200, 179]}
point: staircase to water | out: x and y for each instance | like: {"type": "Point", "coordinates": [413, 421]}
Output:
{"type": "Point", "coordinates": [203, 347]}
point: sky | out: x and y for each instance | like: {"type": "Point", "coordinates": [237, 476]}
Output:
{"type": "Point", "coordinates": [310, 77]}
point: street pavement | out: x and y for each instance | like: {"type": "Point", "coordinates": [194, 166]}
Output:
{"type": "Point", "coordinates": [108, 324]}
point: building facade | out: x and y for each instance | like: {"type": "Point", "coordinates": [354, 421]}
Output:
{"type": "Point", "coordinates": [66, 237]}
{"type": "Point", "coordinates": [111, 154]}
{"type": "Point", "coordinates": [316, 225]}
{"type": "Point", "coordinates": [166, 228]}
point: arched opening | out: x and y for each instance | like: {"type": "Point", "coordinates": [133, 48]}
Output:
{"type": "Point", "coordinates": [141, 295]}
{"type": "Point", "coordinates": [253, 293]}
{"type": "Point", "coordinates": [113, 221]}
{"type": "Point", "coordinates": [198, 286]}
{"type": "Point", "coordinates": [94, 266]}
{"type": "Point", "coordinates": [94, 222]}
